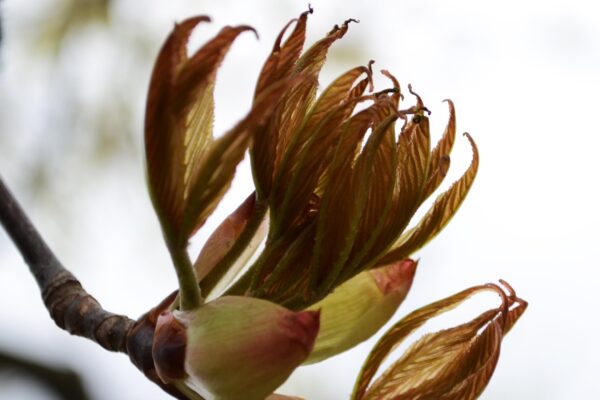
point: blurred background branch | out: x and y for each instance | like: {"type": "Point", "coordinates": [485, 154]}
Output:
{"type": "Point", "coordinates": [63, 382]}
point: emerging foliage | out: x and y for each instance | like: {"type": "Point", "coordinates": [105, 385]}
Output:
{"type": "Point", "coordinates": [455, 363]}
{"type": "Point", "coordinates": [336, 207]}
{"type": "Point", "coordinates": [188, 170]}
{"type": "Point", "coordinates": [339, 175]}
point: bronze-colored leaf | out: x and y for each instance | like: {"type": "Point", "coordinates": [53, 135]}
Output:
{"type": "Point", "coordinates": [179, 119]}
{"type": "Point", "coordinates": [380, 196]}
{"type": "Point", "coordinates": [337, 220]}
{"type": "Point", "coordinates": [283, 58]}
{"type": "Point", "coordinates": [431, 364]}
{"type": "Point", "coordinates": [410, 177]}
{"type": "Point", "coordinates": [287, 282]}
{"type": "Point", "coordinates": [199, 71]}
{"type": "Point", "coordinates": [294, 199]}
{"type": "Point", "coordinates": [345, 196]}
{"type": "Point", "coordinates": [476, 365]}
{"type": "Point", "coordinates": [269, 259]}
{"type": "Point", "coordinates": [399, 332]}
{"type": "Point", "coordinates": [396, 94]}
{"type": "Point", "coordinates": [456, 363]}
{"type": "Point", "coordinates": [445, 144]}
{"type": "Point", "coordinates": [332, 94]}
{"type": "Point", "coordinates": [271, 144]}
{"type": "Point", "coordinates": [414, 164]}
{"type": "Point", "coordinates": [310, 152]}
{"type": "Point", "coordinates": [217, 168]}
{"type": "Point", "coordinates": [440, 155]}
{"type": "Point", "coordinates": [163, 141]}
{"type": "Point", "coordinates": [313, 59]}
{"type": "Point", "coordinates": [438, 215]}
{"type": "Point", "coordinates": [339, 91]}
{"type": "Point", "coordinates": [436, 177]}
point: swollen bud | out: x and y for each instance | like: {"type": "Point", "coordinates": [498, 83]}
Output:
{"type": "Point", "coordinates": [358, 308]}
{"type": "Point", "coordinates": [243, 347]}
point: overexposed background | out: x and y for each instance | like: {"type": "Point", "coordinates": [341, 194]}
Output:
{"type": "Point", "coordinates": [525, 78]}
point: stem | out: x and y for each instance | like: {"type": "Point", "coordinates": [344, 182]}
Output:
{"type": "Point", "coordinates": [189, 291]}
{"type": "Point", "coordinates": [70, 306]}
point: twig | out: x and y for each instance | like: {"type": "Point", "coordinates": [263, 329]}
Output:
{"type": "Point", "coordinates": [71, 307]}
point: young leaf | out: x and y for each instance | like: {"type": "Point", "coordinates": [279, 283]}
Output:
{"type": "Point", "coordinates": [380, 198]}
{"type": "Point", "coordinates": [346, 195]}
{"type": "Point", "coordinates": [283, 58]}
{"type": "Point", "coordinates": [303, 166]}
{"type": "Point", "coordinates": [431, 364]}
{"type": "Point", "coordinates": [451, 364]}
{"type": "Point", "coordinates": [438, 215]}
{"type": "Point", "coordinates": [440, 155]}
{"type": "Point", "coordinates": [163, 138]}
{"type": "Point", "coordinates": [217, 169]}
{"type": "Point", "coordinates": [271, 144]}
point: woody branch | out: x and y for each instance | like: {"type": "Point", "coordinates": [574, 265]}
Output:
{"type": "Point", "coordinates": [70, 306]}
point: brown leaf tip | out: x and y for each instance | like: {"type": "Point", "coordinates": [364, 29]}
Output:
{"type": "Point", "coordinates": [386, 91]}
{"type": "Point", "coordinates": [395, 83]}
{"type": "Point", "coordinates": [512, 294]}
{"type": "Point", "coordinates": [420, 107]}
{"type": "Point", "coordinates": [511, 304]}
{"type": "Point", "coordinates": [473, 145]}
{"type": "Point", "coordinates": [370, 75]}
{"type": "Point", "coordinates": [450, 103]}
{"type": "Point", "coordinates": [193, 21]}
{"type": "Point", "coordinates": [341, 30]}
{"type": "Point", "coordinates": [248, 28]}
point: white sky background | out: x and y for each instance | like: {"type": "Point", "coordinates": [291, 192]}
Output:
{"type": "Point", "coordinates": [525, 78]}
